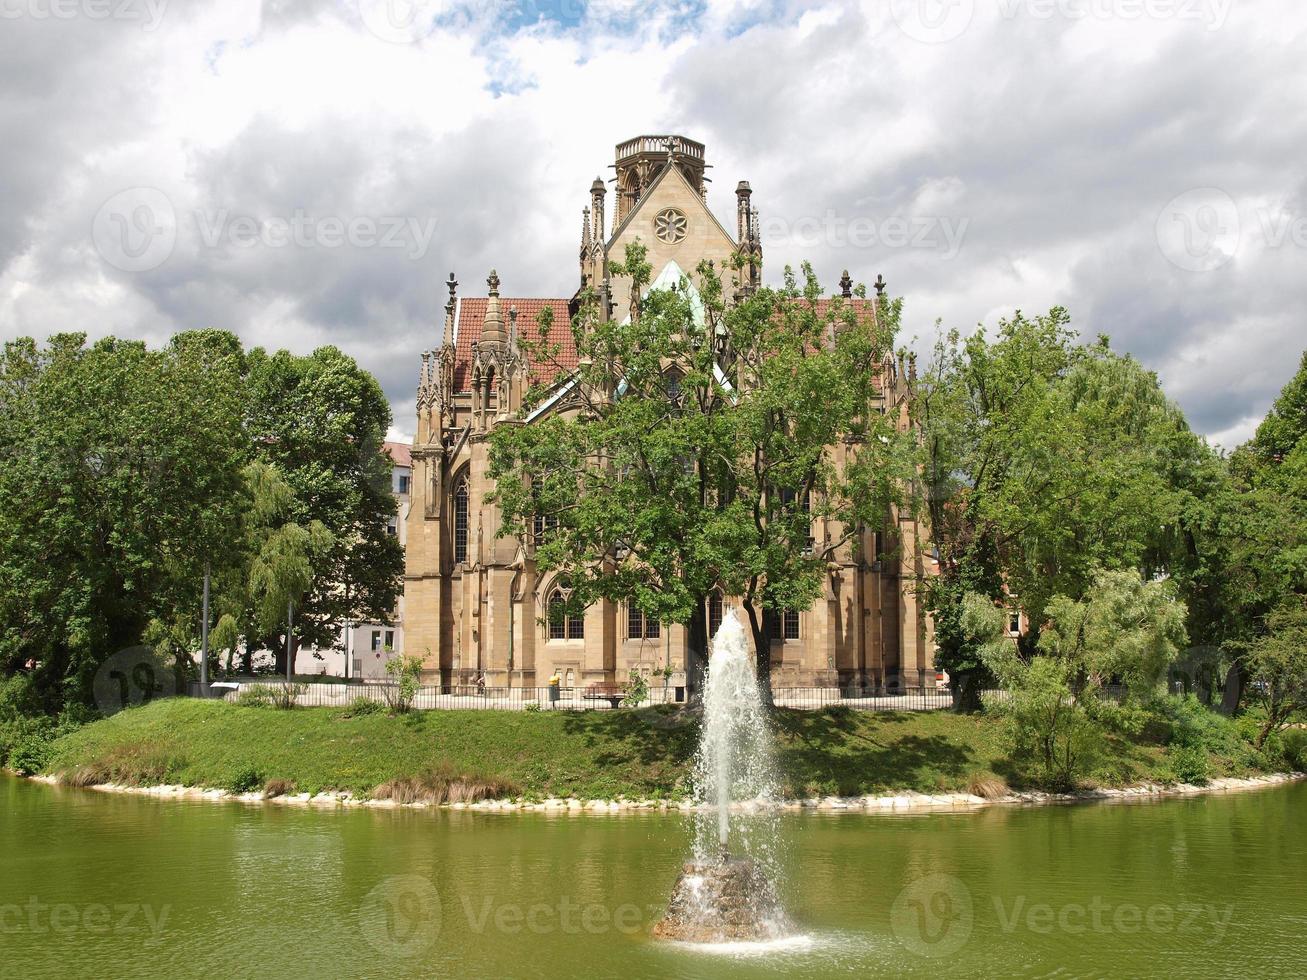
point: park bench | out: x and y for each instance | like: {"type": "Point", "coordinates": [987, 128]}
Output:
{"type": "Point", "coordinates": [612, 693]}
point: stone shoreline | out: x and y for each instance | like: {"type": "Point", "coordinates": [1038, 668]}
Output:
{"type": "Point", "coordinates": [907, 802]}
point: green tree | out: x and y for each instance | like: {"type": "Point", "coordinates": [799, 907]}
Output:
{"type": "Point", "coordinates": [1123, 628]}
{"type": "Point", "coordinates": [1053, 736]}
{"type": "Point", "coordinates": [1278, 665]}
{"type": "Point", "coordinates": [281, 561]}
{"type": "Point", "coordinates": [696, 444]}
{"type": "Point", "coordinates": [1261, 530]}
{"type": "Point", "coordinates": [123, 481]}
{"type": "Point", "coordinates": [120, 480]}
{"type": "Point", "coordinates": [321, 421]}
{"type": "Point", "coordinates": [1044, 460]}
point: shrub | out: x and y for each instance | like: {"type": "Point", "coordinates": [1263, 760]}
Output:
{"type": "Point", "coordinates": [245, 779]}
{"type": "Point", "coordinates": [1186, 721]}
{"type": "Point", "coordinates": [30, 750]}
{"type": "Point", "coordinates": [1293, 745]}
{"type": "Point", "coordinates": [1189, 764]}
{"type": "Point", "coordinates": [284, 696]}
{"type": "Point", "coordinates": [407, 672]}
{"type": "Point", "coordinates": [255, 696]}
{"type": "Point", "coordinates": [637, 690]}
{"type": "Point", "coordinates": [532, 706]}
{"type": "Point", "coordinates": [1129, 718]}
{"type": "Point", "coordinates": [363, 705]}
{"type": "Point", "coordinates": [26, 742]}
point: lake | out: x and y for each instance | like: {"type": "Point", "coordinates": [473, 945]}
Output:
{"type": "Point", "coordinates": [95, 884]}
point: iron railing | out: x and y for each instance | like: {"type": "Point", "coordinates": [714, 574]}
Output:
{"type": "Point", "coordinates": [470, 697]}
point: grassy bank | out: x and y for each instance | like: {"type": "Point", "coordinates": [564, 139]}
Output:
{"type": "Point", "coordinates": [593, 755]}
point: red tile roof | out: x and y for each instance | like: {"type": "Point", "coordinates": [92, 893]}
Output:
{"type": "Point", "coordinates": [865, 308]}
{"type": "Point", "coordinates": [401, 453]}
{"type": "Point", "coordinates": [472, 316]}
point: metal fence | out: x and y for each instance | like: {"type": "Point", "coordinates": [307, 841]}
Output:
{"type": "Point", "coordinates": [454, 697]}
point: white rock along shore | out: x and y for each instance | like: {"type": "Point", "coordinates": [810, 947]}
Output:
{"type": "Point", "coordinates": [906, 802]}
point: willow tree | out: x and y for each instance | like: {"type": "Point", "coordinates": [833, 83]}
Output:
{"type": "Point", "coordinates": [696, 444]}
{"type": "Point", "coordinates": [280, 561]}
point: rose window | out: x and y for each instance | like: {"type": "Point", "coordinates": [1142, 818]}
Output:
{"type": "Point", "coordinates": [670, 226]}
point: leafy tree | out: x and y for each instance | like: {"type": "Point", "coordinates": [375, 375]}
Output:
{"type": "Point", "coordinates": [1123, 628]}
{"type": "Point", "coordinates": [120, 480]}
{"type": "Point", "coordinates": [1050, 725]}
{"type": "Point", "coordinates": [1278, 665]}
{"type": "Point", "coordinates": [1044, 460]}
{"type": "Point", "coordinates": [696, 444]}
{"type": "Point", "coordinates": [1261, 530]}
{"type": "Point", "coordinates": [321, 421]}
{"type": "Point", "coordinates": [406, 673]}
{"type": "Point", "coordinates": [1053, 736]}
{"type": "Point", "coordinates": [280, 563]}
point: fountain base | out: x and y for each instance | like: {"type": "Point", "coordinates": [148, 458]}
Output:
{"type": "Point", "coordinates": [731, 900]}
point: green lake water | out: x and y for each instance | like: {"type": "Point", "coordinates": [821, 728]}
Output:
{"type": "Point", "coordinates": [100, 885]}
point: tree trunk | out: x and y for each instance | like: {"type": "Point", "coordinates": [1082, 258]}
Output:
{"type": "Point", "coordinates": [966, 692]}
{"type": "Point", "coordinates": [1236, 679]}
{"type": "Point", "coordinates": [696, 651]}
{"type": "Point", "coordinates": [1264, 732]}
{"type": "Point", "coordinates": [247, 658]}
{"type": "Point", "coordinates": [762, 650]}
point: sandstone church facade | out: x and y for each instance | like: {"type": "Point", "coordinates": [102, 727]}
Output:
{"type": "Point", "coordinates": [477, 608]}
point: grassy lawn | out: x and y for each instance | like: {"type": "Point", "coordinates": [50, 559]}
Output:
{"type": "Point", "coordinates": [590, 755]}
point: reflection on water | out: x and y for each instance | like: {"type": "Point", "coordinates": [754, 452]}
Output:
{"type": "Point", "coordinates": [101, 885]}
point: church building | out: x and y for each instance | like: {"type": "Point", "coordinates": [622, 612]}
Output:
{"type": "Point", "coordinates": [476, 607]}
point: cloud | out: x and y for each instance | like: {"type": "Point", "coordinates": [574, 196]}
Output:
{"type": "Point", "coordinates": [1022, 155]}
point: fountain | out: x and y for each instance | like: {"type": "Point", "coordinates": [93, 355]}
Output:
{"type": "Point", "coordinates": [725, 892]}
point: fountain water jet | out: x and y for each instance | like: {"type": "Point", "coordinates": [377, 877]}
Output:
{"type": "Point", "coordinates": [726, 892]}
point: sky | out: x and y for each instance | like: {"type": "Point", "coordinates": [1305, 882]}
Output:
{"type": "Point", "coordinates": [308, 172]}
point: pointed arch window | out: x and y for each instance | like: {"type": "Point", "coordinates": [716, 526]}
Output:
{"type": "Point", "coordinates": [460, 520]}
{"type": "Point", "coordinates": [557, 622]}
{"type": "Point", "coordinates": [673, 386]}
{"type": "Point", "coordinates": [714, 613]}
{"type": "Point", "coordinates": [562, 625]}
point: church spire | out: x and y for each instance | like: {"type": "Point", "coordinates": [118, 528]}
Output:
{"type": "Point", "coordinates": [450, 305]}
{"type": "Point", "coordinates": [598, 194]}
{"type": "Point", "coordinates": [492, 332]}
